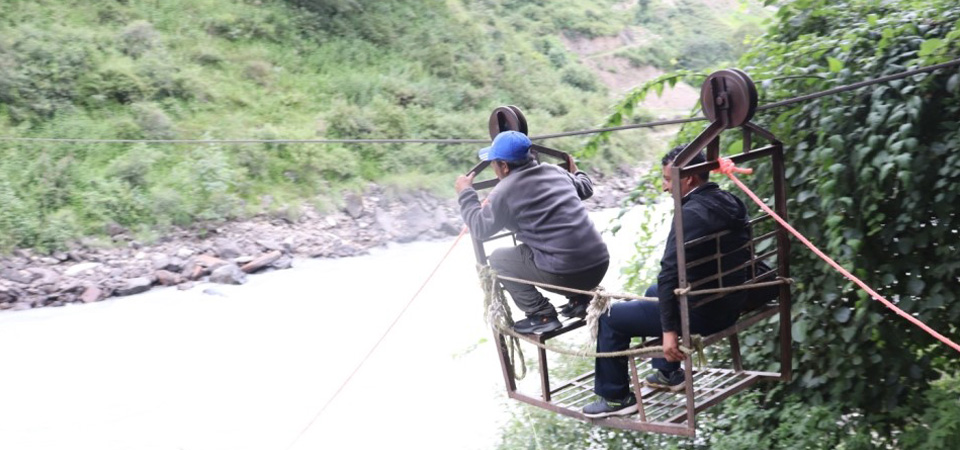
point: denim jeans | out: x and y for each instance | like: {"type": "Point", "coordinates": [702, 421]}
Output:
{"type": "Point", "coordinates": [642, 318]}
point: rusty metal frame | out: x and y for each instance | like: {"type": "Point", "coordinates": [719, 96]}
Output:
{"type": "Point", "coordinates": [662, 411]}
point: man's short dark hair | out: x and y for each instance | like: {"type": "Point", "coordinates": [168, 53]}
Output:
{"type": "Point", "coordinates": [514, 164]}
{"type": "Point", "coordinates": [700, 157]}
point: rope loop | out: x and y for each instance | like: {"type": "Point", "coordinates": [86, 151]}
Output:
{"type": "Point", "coordinates": [728, 167]}
{"type": "Point", "coordinates": [499, 317]}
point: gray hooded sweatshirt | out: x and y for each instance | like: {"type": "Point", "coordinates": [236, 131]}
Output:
{"type": "Point", "coordinates": [542, 204]}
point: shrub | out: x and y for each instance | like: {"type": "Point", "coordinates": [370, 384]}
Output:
{"type": "Point", "coordinates": [581, 78]}
{"type": "Point", "coordinates": [40, 71]}
{"type": "Point", "coordinates": [117, 81]}
{"type": "Point", "coordinates": [153, 121]}
{"type": "Point", "coordinates": [134, 165]}
{"type": "Point", "coordinates": [138, 38]}
{"type": "Point", "coordinates": [259, 72]}
{"type": "Point", "coordinates": [18, 219]}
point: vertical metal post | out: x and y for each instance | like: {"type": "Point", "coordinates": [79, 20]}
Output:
{"type": "Point", "coordinates": [499, 340]}
{"type": "Point", "coordinates": [783, 263]}
{"type": "Point", "coordinates": [735, 352]}
{"type": "Point", "coordinates": [682, 284]}
{"type": "Point", "coordinates": [637, 391]}
{"type": "Point", "coordinates": [544, 374]}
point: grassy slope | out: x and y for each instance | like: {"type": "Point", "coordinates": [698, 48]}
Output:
{"type": "Point", "coordinates": [267, 69]}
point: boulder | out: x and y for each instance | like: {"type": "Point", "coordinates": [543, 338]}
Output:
{"type": "Point", "coordinates": [261, 262]}
{"type": "Point", "coordinates": [167, 278]}
{"type": "Point", "coordinates": [228, 274]}
{"type": "Point", "coordinates": [269, 244]}
{"type": "Point", "coordinates": [134, 286]}
{"type": "Point", "coordinates": [202, 265]}
{"type": "Point", "coordinates": [114, 229]}
{"type": "Point", "coordinates": [353, 205]}
{"type": "Point", "coordinates": [160, 261]}
{"type": "Point", "coordinates": [7, 295]}
{"type": "Point", "coordinates": [44, 276]}
{"type": "Point", "coordinates": [17, 276]}
{"type": "Point", "coordinates": [283, 263]}
{"type": "Point", "coordinates": [227, 248]}
{"type": "Point", "coordinates": [92, 294]}
{"type": "Point", "coordinates": [79, 269]}
{"type": "Point", "coordinates": [20, 306]}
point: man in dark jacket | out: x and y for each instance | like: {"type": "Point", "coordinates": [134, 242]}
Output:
{"type": "Point", "coordinates": [542, 204]}
{"type": "Point", "coordinates": [706, 210]}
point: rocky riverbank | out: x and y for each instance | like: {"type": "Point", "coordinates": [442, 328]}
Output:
{"type": "Point", "coordinates": [229, 252]}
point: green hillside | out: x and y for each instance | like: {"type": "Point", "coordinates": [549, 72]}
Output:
{"type": "Point", "coordinates": [295, 69]}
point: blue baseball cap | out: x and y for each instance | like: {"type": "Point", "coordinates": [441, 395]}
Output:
{"type": "Point", "coordinates": [507, 146]}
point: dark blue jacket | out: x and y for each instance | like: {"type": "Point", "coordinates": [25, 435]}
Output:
{"type": "Point", "coordinates": [706, 210]}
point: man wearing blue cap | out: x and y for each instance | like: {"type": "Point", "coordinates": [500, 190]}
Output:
{"type": "Point", "coordinates": [542, 204]}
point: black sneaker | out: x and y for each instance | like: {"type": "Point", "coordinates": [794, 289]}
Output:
{"type": "Point", "coordinates": [672, 380]}
{"type": "Point", "coordinates": [537, 324]}
{"type": "Point", "coordinates": [603, 407]}
{"type": "Point", "coordinates": [576, 308]}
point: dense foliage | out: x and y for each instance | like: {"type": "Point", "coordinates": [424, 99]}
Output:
{"type": "Point", "coordinates": [874, 181]}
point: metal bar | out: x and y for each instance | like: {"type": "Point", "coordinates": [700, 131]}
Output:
{"type": "Point", "coordinates": [764, 312]}
{"type": "Point", "coordinates": [717, 276]}
{"type": "Point", "coordinates": [719, 397]}
{"type": "Point", "coordinates": [783, 264]}
{"type": "Point", "coordinates": [747, 140]}
{"type": "Point", "coordinates": [632, 362]}
{"type": "Point", "coordinates": [505, 367]}
{"type": "Point", "coordinates": [697, 262]}
{"type": "Point", "coordinates": [682, 278]}
{"type": "Point", "coordinates": [698, 144]}
{"type": "Point", "coordinates": [713, 149]}
{"type": "Point", "coordinates": [574, 382]}
{"type": "Point", "coordinates": [739, 159]}
{"type": "Point", "coordinates": [480, 185]}
{"type": "Point", "coordinates": [761, 131]}
{"type": "Point", "coordinates": [653, 427]}
{"type": "Point", "coordinates": [613, 422]}
{"type": "Point", "coordinates": [563, 156]}
{"type": "Point", "coordinates": [544, 374]}
{"type": "Point", "coordinates": [735, 352]}
{"type": "Point", "coordinates": [499, 236]}
{"type": "Point", "coordinates": [721, 233]}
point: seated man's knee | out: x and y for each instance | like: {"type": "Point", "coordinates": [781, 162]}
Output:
{"type": "Point", "coordinates": [651, 291]}
{"type": "Point", "coordinates": [496, 258]}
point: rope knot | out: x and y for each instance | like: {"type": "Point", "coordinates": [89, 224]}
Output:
{"type": "Point", "coordinates": [728, 167]}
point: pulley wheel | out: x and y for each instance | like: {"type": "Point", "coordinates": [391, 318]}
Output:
{"type": "Point", "coordinates": [729, 94]}
{"type": "Point", "coordinates": [507, 118]}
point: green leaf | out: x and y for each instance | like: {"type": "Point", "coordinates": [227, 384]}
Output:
{"type": "Point", "coordinates": [930, 46]}
{"type": "Point", "coordinates": [842, 315]}
{"type": "Point", "coordinates": [953, 83]}
{"type": "Point", "coordinates": [799, 331]}
{"type": "Point", "coordinates": [915, 286]}
{"type": "Point", "coordinates": [835, 64]}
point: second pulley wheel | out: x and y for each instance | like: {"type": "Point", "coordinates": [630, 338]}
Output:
{"type": "Point", "coordinates": [507, 118]}
{"type": "Point", "coordinates": [731, 95]}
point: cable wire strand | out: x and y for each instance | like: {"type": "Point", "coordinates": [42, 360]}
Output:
{"type": "Point", "coordinates": [453, 141]}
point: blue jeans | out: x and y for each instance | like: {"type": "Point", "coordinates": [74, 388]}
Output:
{"type": "Point", "coordinates": [642, 318]}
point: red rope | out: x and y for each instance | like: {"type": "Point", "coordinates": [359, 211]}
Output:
{"type": "Point", "coordinates": [384, 335]}
{"type": "Point", "coordinates": [727, 167]}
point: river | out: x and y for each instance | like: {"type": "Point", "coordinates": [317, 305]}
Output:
{"type": "Point", "coordinates": [251, 366]}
